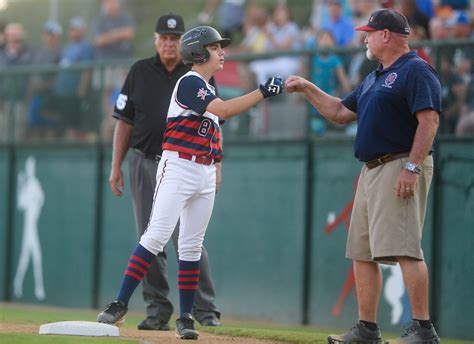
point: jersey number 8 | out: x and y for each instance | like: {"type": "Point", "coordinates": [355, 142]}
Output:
{"type": "Point", "coordinates": [204, 127]}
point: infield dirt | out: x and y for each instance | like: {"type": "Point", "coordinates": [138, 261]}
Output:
{"type": "Point", "coordinates": [148, 337]}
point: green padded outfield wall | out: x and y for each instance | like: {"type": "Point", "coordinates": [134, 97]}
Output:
{"type": "Point", "coordinates": [4, 164]}
{"type": "Point", "coordinates": [119, 238]}
{"type": "Point", "coordinates": [455, 239]}
{"type": "Point", "coordinates": [65, 226]}
{"type": "Point", "coordinates": [255, 238]}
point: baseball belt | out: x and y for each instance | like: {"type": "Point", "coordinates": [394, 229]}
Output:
{"type": "Point", "coordinates": [384, 159]}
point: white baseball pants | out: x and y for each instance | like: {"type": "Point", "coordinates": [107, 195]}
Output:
{"type": "Point", "coordinates": [184, 190]}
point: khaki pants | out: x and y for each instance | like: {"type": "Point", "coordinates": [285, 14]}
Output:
{"type": "Point", "coordinates": [383, 225]}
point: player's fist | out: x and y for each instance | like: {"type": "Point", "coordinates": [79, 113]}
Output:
{"type": "Point", "coordinates": [272, 87]}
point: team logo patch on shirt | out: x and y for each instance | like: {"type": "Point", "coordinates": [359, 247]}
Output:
{"type": "Point", "coordinates": [390, 80]}
{"type": "Point", "coordinates": [202, 93]}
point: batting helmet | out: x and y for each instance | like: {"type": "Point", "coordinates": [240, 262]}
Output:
{"type": "Point", "coordinates": [193, 44]}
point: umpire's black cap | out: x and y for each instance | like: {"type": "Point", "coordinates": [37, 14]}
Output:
{"type": "Point", "coordinates": [170, 24]}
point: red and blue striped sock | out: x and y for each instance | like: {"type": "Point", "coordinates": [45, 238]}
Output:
{"type": "Point", "coordinates": [138, 264]}
{"type": "Point", "coordinates": [188, 278]}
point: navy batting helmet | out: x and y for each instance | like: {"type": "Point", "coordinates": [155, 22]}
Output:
{"type": "Point", "coordinates": [193, 44]}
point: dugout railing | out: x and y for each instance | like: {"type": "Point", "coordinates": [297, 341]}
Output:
{"type": "Point", "coordinates": [279, 221]}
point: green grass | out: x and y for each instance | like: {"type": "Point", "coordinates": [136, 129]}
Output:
{"type": "Point", "coordinates": [21, 314]}
{"type": "Point", "coordinates": [16, 338]}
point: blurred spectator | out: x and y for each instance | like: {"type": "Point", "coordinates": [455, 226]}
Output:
{"type": "Point", "coordinates": [453, 92]}
{"type": "Point", "coordinates": [340, 26]}
{"type": "Point", "coordinates": [282, 34]}
{"type": "Point", "coordinates": [15, 51]}
{"type": "Point", "coordinates": [463, 55]}
{"type": "Point", "coordinates": [362, 11]}
{"type": "Point", "coordinates": [320, 12]}
{"type": "Point", "coordinates": [426, 7]}
{"type": "Point", "coordinates": [2, 35]}
{"type": "Point", "coordinates": [327, 68]}
{"type": "Point", "coordinates": [12, 88]}
{"type": "Point", "coordinates": [415, 17]}
{"type": "Point", "coordinates": [230, 15]}
{"type": "Point", "coordinates": [113, 39]}
{"type": "Point", "coordinates": [254, 41]}
{"type": "Point", "coordinates": [114, 32]}
{"type": "Point", "coordinates": [465, 125]}
{"type": "Point", "coordinates": [42, 120]}
{"type": "Point", "coordinates": [327, 71]}
{"type": "Point", "coordinates": [456, 4]}
{"type": "Point", "coordinates": [72, 84]}
{"type": "Point", "coordinates": [255, 37]}
{"type": "Point", "coordinates": [418, 33]}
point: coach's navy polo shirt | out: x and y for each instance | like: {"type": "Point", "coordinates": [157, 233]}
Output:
{"type": "Point", "coordinates": [386, 103]}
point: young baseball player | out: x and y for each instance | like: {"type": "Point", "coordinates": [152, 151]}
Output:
{"type": "Point", "coordinates": [186, 176]}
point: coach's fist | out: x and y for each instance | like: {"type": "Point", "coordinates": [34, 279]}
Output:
{"type": "Point", "coordinates": [296, 84]}
{"type": "Point", "coordinates": [272, 87]}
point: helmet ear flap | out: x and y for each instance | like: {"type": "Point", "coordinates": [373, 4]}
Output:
{"type": "Point", "coordinates": [200, 56]}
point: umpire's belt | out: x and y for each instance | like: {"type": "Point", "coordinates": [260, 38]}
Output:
{"type": "Point", "coordinates": [155, 157]}
{"type": "Point", "coordinates": [385, 158]}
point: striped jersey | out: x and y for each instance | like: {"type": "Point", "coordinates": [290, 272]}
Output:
{"type": "Point", "coordinates": [189, 127]}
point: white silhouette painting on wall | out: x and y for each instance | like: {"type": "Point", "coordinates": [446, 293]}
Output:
{"type": "Point", "coordinates": [393, 292]}
{"type": "Point", "coordinates": [30, 201]}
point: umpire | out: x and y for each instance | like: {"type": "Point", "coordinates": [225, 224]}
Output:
{"type": "Point", "coordinates": [141, 110]}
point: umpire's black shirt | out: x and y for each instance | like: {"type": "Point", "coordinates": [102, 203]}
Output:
{"type": "Point", "coordinates": [144, 101]}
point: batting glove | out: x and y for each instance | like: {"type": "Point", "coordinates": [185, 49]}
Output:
{"type": "Point", "coordinates": [272, 87]}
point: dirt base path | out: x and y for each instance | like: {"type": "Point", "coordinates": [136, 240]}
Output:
{"type": "Point", "coordinates": [150, 337]}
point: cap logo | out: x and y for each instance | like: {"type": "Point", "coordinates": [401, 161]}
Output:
{"type": "Point", "coordinates": [171, 23]}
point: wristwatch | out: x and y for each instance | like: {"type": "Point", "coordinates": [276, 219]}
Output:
{"type": "Point", "coordinates": [412, 167]}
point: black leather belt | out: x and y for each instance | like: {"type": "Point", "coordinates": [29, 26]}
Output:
{"type": "Point", "coordinates": [155, 157]}
{"type": "Point", "coordinates": [385, 158]}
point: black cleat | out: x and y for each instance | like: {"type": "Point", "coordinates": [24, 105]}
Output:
{"type": "Point", "coordinates": [185, 327]}
{"type": "Point", "coordinates": [152, 323]}
{"type": "Point", "coordinates": [113, 314]}
{"type": "Point", "coordinates": [358, 334]}
{"type": "Point", "coordinates": [415, 334]}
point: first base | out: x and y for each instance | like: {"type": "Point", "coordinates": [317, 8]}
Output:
{"type": "Point", "coordinates": [79, 328]}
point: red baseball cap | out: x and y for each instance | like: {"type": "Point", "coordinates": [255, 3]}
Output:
{"type": "Point", "coordinates": [389, 19]}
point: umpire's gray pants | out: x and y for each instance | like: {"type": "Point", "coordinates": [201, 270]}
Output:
{"type": "Point", "coordinates": [155, 284]}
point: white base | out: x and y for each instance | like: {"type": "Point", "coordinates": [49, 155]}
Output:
{"type": "Point", "coordinates": [79, 328]}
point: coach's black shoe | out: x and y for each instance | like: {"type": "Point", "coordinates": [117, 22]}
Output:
{"type": "Point", "coordinates": [415, 334]}
{"type": "Point", "coordinates": [113, 314]}
{"type": "Point", "coordinates": [185, 327]}
{"type": "Point", "coordinates": [358, 334]}
{"type": "Point", "coordinates": [152, 323]}
{"type": "Point", "coordinates": [210, 321]}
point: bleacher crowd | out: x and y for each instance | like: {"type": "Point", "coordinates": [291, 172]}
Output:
{"type": "Point", "coordinates": [64, 103]}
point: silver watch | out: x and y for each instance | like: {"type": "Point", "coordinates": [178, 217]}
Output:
{"type": "Point", "coordinates": [412, 167]}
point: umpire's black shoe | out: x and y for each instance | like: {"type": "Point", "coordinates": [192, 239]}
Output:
{"type": "Point", "coordinates": [113, 314]}
{"type": "Point", "coordinates": [185, 327]}
{"type": "Point", "coordinates": [358, 334]}
{"type": "Point", "coordinates": [210, 321]}
{"type": "Point", "coordinates": [416, 334]}
{"type": "Point", "coordinates": [152, 323]}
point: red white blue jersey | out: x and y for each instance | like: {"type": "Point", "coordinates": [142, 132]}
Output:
{"type": "Point", "coordinates": [190, 128]}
